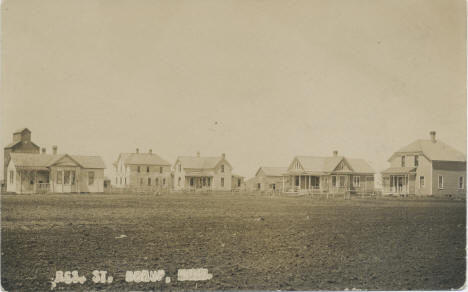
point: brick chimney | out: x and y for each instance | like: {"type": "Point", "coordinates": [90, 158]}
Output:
{"type": "Point", "coordinates": [137, 151]}
{"type": "Point", "coordinates": [335, 153]}
{"type": "Point", "coordinates": [223, 155]}
{"type": "Point", "coordinates": [433, 136]}
{"type": "Point", "coordinates": [198, 153]}
{"type": "Point", "coordinates": [43, 150]}
{"type": "Point", "coordinates": [150, 151]}
{"type": "Point", "coordinates": [54, 149]}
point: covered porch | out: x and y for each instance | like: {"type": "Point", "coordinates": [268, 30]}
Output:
{"type": "Point", "coordinates": [201, 183]}
{"type": "Point", "coordinates": [305, 182]}
{"type": "Point", "coordinates": [31, 181]}
{"type": "Point", "coordinates": [398, 181]}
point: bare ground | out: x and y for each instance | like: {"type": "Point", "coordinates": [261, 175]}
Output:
{"type": "Point", "coordinates": [246, 242]}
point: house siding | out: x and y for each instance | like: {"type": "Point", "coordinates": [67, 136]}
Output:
{"type": "Point", "coordinates": [424, 169]}
{"type": "Point", "coordinates": [451, 171]}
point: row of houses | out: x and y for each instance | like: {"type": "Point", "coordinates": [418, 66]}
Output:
{"type": "Point", "coordinates": [424, 167]}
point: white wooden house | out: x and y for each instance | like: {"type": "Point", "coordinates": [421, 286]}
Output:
{"type": "Point", "coordinates": [54, 173]}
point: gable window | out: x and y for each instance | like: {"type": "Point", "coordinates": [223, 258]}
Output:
{"type": "Point", "coordinates": [421, 181]}
{"type": "Point", "coordinates": [59, 176]}
{"type": "Point", "coordinates": [222, 167]}
{"type": "Point", "coordinates": [149, 181]}
{"type": "Point", "coordinates": [461, 182]}
{"type": "Point", "coordinates": [403, 158]}
{"type": "Point", "coordinates": [160, 169]}
{"type": "Point", "coordinates": [334, 181]}
{"type": "Point", "coordinates": [147, 169]}
{"type": "Point", "coordinates": [416, 160]}
{"type": "Point", "coordinates": [12, 173]}
{"type": "Point", "coordinates": [356, 181]}
{"type": "Point", "coordinates": [441, 182]}
{"type": "Point", "coordinates": [138, 169]}
{"type": "Point", "coordinates": [222, 181]}
{"type": "Point", "coordinates": [90, 177]}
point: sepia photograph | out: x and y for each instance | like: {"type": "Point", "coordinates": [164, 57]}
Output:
{"type": "Point", "coordinates": [207, 145]}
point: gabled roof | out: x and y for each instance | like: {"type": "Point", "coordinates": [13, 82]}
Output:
{"type": "Point", "coordinates": [437, 150]}
{"type": "Point", "coordinates": [196, 162]}
{"type": "Point", "coordinates": [316, 164]}
{"type": "Point", "coordinates": [36, 160]}
{"type": "Point", "coordinates": [272, 171]}
{"type": "Point", "coordinates": [142, 159]}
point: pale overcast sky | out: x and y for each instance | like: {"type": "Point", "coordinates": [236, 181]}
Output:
{"type": "Point", "coordinates": [262, 81]}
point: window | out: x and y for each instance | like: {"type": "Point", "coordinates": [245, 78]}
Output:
{"type": "Point", "coordinates": [160, 169]}
{"type": "Point", "coordinates": [297, 181]}
{"type": "Point", "coordinates": [239, 182]}
{"type": "Point", "coordinates": [356, 181]}
{"type": "Point", "coordinates": [125, 181]}
{"type": "Point", "coordinates": [120, 180]}
{"type": "Point", "coordinates": [164, 181]}
{"type": "Point", "coordinates": [90, 177]}
{"type": "Point", "coordinates": [334, 181]}
{"type": "Point", "coordinates": [273, 186]}
{"type": "Point", "coordinates": [461, 182]}
{"type": "Point", "coordinates": [222, 181]}
{"type": "Point", "coordinates": [416, 160]}
{"type": "Point", "coordinates": [222, 167]}
{"type": "Point", "coordinates": [12, 173]}
{"type": "Point", "coordinates": [147, 169]}
{"type": "Point", "coordinates": [191, 181]}
{"type": "Point", "coordinates": [72, 177]}
{"type": "Point", "coordinates": [141, 181]}
{"type": "Point", "coordinates": [259, 186]}
{"type": "Point", "coordinates": [149, 181]}
{"type": "Point", "coordinates": [59, 176]}
{"type": "Point", "coordinates": [441, 182]}
{"type": "Point", "coordinates": [403, 161]}
{"type": "Point", "coordinates": [138, 169]}
{"type": "Point", "coordinates": [208, 181]}
{"type": "Point", "coordinates": [178, 181]}
{"type": "Point", "coordinates": [421, 182]}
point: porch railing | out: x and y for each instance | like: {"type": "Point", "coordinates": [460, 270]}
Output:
{"type": "Point", "coordinates": [42, 188]}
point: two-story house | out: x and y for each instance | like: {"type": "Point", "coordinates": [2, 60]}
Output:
{"type": "Point", "coordinates": [137, 169]}
{"type": "Point", "coordinates": [332, 174]}
{"type": "Point", "coordinates": [426, 167]}
{"type": "Point", "coordinates": [202, 173]}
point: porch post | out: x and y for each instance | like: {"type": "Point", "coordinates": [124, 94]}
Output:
{"type": "Point", "coordinates": [35, 181]}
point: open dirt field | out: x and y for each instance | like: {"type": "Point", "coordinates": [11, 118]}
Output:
{"type": "Point", "coordinates": [245, 242]}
